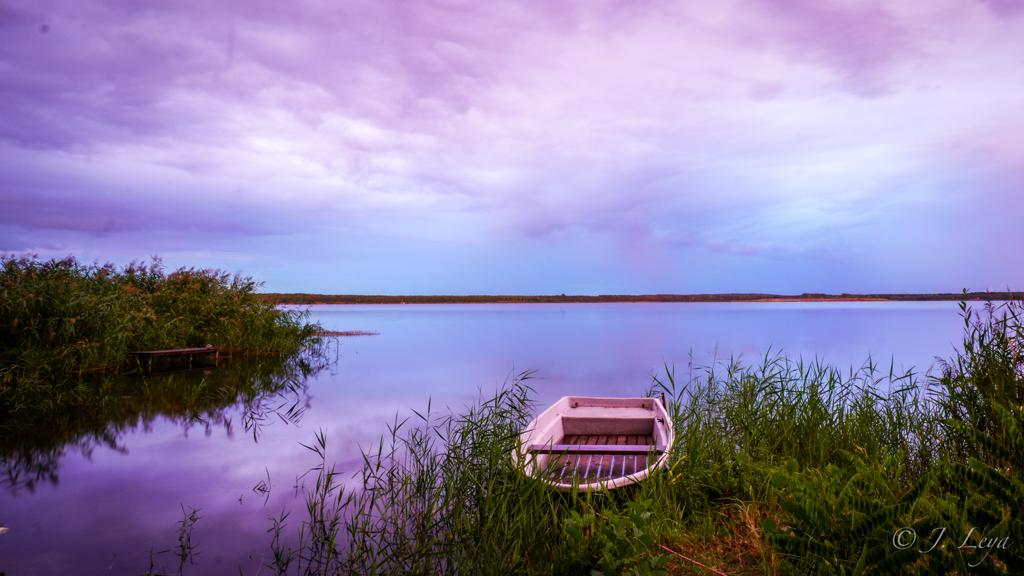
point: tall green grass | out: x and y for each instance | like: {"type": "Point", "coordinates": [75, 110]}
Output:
{"type": "Point", "coordinates": [441, 495]}
{"type": "Point", "coordinates": [61, 320]}
{"type": "Point", "coordinates": [735, 422]}
{"type": "Point", "coordinates": [929, 515]}
{"type": "Point", "coordinates": [778, 467]}
{"type": "Point", "coordinates": [981, 485]}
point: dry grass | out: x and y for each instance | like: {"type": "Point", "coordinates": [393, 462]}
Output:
{"type": "Point", "coordinates": [727, 539]}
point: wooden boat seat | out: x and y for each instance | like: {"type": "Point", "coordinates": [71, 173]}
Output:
{"type": "Point", "coordinates": [638, 449]}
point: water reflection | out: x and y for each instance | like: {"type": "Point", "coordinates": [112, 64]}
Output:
{"type": "Point", "coordinates": [194, 445]}
{"type": "Point", "coordinates": [258, 391]}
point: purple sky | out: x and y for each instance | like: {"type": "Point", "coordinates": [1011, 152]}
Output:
{"type": "Point", "coordinates": [465, 147]}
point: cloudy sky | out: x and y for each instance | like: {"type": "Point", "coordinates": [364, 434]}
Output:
{"type": "Point", "coordinates": [462, 147]}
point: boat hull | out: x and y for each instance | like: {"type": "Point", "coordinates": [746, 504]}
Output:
{"type": "Point", "coordinates": [589, 443]}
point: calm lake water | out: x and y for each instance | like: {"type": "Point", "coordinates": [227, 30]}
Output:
{"type": "Point", "coordinates": [110, 502]}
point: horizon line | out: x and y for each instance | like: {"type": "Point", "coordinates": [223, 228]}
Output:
{"type": "Point", "coordinates": [318, 298]}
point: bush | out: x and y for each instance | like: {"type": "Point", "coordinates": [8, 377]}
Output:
{"type": "Point", "coordinates": [62, 319]}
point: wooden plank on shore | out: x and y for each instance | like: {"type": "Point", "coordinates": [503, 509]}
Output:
{"type": "Point", "coordinates": [147, 358]}
{"type": "Point", "coordinates": [176, 351]}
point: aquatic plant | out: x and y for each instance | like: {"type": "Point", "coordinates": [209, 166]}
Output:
{"type": "Point", "coordinates": [185, 552]}
{"type": "Point", "coordinates": [963, 512]}
{"type": "Point", "coordinates": [62, 317]}
{"type": "Point", "coordinates": [982, 396]}
{"type": "Point", "coordinates": [63, 321]}
{"type": "Point", "coordinates": [778, 467]}
{"type": "Point", "coordinates": [441, 495]}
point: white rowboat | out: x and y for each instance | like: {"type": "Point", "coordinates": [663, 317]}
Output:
{"type": "Point", "coordinates": [585, 443]}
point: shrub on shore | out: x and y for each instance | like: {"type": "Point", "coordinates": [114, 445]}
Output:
{"type": "Point", "coordinates": [62, 319]}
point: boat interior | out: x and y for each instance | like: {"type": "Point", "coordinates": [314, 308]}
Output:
{"type": "Point", "coordinates": [586, 446]}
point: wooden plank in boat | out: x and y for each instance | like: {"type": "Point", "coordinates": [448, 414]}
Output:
{"type": "Point", "coordinates": [594, 448]}
{"type": "Point", "coordinates": [594, 425]}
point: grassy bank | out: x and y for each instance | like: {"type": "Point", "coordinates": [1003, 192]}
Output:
{"type": "Point", "coordinates": [63, 321]}
{"type": "Point", "coordinates": [779, 467]}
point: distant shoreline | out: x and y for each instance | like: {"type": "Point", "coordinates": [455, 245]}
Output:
{"type": "Point", "coordinates": [301, 298]}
